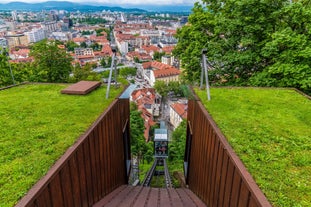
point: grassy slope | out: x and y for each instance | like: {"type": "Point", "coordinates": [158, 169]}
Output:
{"type": "Point", "coordinates": [38, 124]}
{"type": "Point", "coordinates": [271, 132]}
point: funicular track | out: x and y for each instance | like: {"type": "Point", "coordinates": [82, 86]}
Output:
{"type": "Point", "coordinates": [150, 174]}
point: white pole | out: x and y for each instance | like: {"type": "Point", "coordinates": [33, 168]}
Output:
{"type": "Point", "coordinates": [110, 74]}
{"type": "Point", "coordinates": [204, 51]}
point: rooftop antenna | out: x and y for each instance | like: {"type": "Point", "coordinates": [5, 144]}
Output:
{"type": "Point", "coordinates": [204, 70]}
{"type": "Point", "coordinates": [114, 50]}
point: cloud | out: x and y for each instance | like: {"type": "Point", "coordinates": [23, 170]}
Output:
{"type": "Point", "coordinates": [119, 2]}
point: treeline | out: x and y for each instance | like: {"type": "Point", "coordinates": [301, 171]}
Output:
{"type": "Point", "coordinates": [50, 64]}
{"type": "Point", "coordinates": [249, 43]}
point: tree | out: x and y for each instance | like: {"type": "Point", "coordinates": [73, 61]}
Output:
{"type": "Point", "coordinates": [83, 45]}
{"type": "Point", "coordinates": [234, 32]}
{"type": "Point", "coordinates": [178, 144]}
{"type": "Point", "coordinates": [96, 47]}
{"type": "Point", "coordinates": [137, 132]}
{"type": "Point", "coordinates": [5, 77]}
{"type": "Point", "coordinates": [51, 64]}
{"type": "Point", "coordinates": [71, 45]}
{"type": "Point", "coordinates": [161, 88]}
{"type": "Point", "coordinates": [158, 55]}
{"type": "Point", "coordinates": [106, 62]}
{"type": "Point", "coordinates": [248, 42]}
{"type": "Point", "coordinates": [290, 49]}
{"type": "Point", "coordinates": [128, 71]}
{"type": "Point", "coordinates": [83, 73]}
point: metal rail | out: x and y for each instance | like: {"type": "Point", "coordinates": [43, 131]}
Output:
{"type": "Point", "coordinates": [150, 173]}
{"type": "Point", "coordinates": [168, 180]}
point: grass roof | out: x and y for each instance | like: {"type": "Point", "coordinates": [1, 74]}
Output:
{"type": "Point", "coordinates": [38, 124]}
{"type": "Point", "coordinates": [270, 130]}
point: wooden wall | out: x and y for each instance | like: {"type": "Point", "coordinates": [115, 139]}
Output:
{"type": "Point", "coordinates": [213, 171]}
{"type": "Point", "coordinates": [93, 167]}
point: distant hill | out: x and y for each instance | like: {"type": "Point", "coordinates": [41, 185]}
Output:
{"type": "Point", "coordinates": [62, 5]}
{"type": "Point", "coordinates": [168, 8]}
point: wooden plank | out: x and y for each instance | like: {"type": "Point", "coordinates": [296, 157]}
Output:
{"type": "Point", "coordinates": [104, 201]}
{"type": "Point", "coordinates": [209, 165]}
{"type": "Point", "coordinates": [44, 199]}
{"type": "Point", "coordinates": [56, 192]}
{"type": "Point", "coordinates": [101, 158]}
{"type": "Point", "coordinates": [252, 202]}
{"type": "Point", "coordinates": [88, 173]}
{"type": "Point", "coordinates": [218, 176]}
{"type": "Point", "coordinates": [164, 198]}
{"type": "Point", "coordinates": [141, 199]}
{"type": "Point", "coordinates": [130, 198]}
{"type": "Point", "coordinates": [174, 198]}
{"type": "Point", "coordinates": [106, 156]}
{"type": "Point", "coordinates": [197, 201]}
{"type": "Point", "coordinates": [65, 183]}
{"type": "Point", "coordinates": [244, 195]}
{"type": "Point", "coordinates": [222, 187]}
{"type": "Point", "coordinates": [153, 198]}
{"type": "Point", "coordinates": [82, 178]}
{"type": "Point", "coordinates": [214, 171]}
{"type": "Point", "coordinates": [185, 199]}
{"type": "Point", "coordinates": [93, 171]}
{"type": "Point", "coordinates": [236, 187]}
{"type": "Point", "coordinates": [117, 200]}
{"type": "Point", "coordinates": [81, 88]}
{"type": "Point", "coordinates": [229, 181]}
{"type": "Point", "coordinates": [75, 181]}
{"type": "Point", "coordinates": [97, 162]}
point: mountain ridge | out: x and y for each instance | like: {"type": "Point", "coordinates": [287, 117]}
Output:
{"type": "Point", "coordinates": [62, 5]}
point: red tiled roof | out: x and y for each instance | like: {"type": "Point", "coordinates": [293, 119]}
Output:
{"type": "Point", "coordinates": [166, 72]}
{"type": "Point", "coordinates": [168, 49]}
{"type": "Point", "coordinates": [180, 109]}
{"type": "Point", "coordinates": [79, 39]}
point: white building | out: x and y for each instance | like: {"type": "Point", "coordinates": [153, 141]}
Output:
{"type": "Point", "coordinates": [84, 52]}
{"type": "Point", "coordinates": [167, 59]}
{"type": "Point", "coordinates": [124, 47]}
{"type": "Point", "coordinates": [35, 35]}
{"type": "Point", "coordinates": [178, 112]}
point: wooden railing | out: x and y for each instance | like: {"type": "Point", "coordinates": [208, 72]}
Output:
{"type": "Point", "coordinates": [213, 171]}
{"type": "Point", "coordinates": [93, 167]}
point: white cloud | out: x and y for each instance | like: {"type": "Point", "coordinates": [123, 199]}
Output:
{"type": "Point", "coordinates": [119, 2]}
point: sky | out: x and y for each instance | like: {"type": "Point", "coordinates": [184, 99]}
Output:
{"type": "Point", "coordinates": [119, 2]}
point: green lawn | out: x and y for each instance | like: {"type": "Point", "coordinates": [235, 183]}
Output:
{"type": "Point", "coordinates": [38, 124]}
{"type": "Point", "coordinates": [270, 129]}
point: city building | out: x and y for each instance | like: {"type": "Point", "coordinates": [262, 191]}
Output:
{"type": "Point", "coordinates": [178, 112]}
{"type": "Point", "coordinates": [156, 71]}
{"type": "Point", "coordinates": [35, 35]}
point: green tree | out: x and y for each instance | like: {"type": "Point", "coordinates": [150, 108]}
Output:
{"type": "Point", "coordinates": [290, 49]}
{"type": "Point", "coordinates": [96, 47]}
{"type": "Point", "coordinates": [255, 42]}
{"type": "Point", "coordinates": [158, 55]}
{"type": "Point", "coordinates": [106, 62]}
{"type": "Point", "coordinates": [137, 132]}
{"type": "Point", "coordinates": [83, 73]}
{"type": "Point", "coordinates": [161, 88]}
{"type": "Point", "coordinates": [71, 45]}
{"type": "Point", "coordinates": [128, 71]}
{"type": "Point", "coordinates": [83, 45]}
{"type": "Point", "coordinates": [178, 144]}
{"type": "Point", "coordinates": [5, 76]}
{"type": "Point", "coordinates": [51, 64]}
